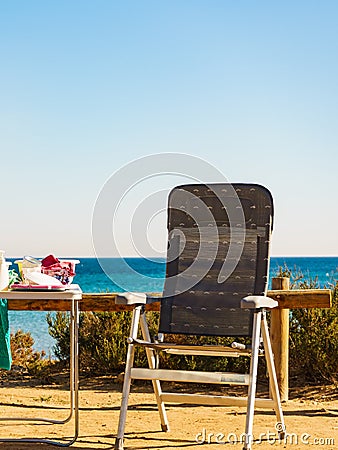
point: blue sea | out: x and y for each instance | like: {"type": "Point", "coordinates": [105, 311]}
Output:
{"type": "Point", "coordinates": [138, 274]}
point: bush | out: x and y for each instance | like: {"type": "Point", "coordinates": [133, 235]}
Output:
{"type": "Point", "coordinates": [314, 342]}
{"type": "Point", "coordinates": [24, 358]}
{"type": "Point", "coordinates": [102, 340]}
{"type": "Point", "coordinates": [22, 350]}
{"type": "Point", "coordinates": [313, 334]}
{"type": "Point", "coordinates": [103, 344]}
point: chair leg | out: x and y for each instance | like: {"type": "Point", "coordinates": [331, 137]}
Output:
{"type": "Point", "coordinates": [253, 380]}
{"type": "Point", "coordinates": [280, 426]}
{"type": "Point", "coordinates": [127, 379]}
{"type": "Point", "coordinates": [156, 383]}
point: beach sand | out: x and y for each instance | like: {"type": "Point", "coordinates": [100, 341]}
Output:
{"type": "Point", "coordinates": [311, 415]}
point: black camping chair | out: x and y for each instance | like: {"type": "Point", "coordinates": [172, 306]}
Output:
{"type": "Point", "coordinates": [216, 282]}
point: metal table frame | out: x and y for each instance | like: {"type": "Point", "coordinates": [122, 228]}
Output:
{"type": "Point", "coordinates": [74, 294]}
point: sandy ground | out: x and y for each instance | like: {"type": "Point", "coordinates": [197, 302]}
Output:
{"type": "Point", "coordinates": [311, 415]}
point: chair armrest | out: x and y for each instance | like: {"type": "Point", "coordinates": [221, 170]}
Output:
{"type": "Point", "coordinates": [131, 298]}
{"type": "Point", "coordinates": [258, 301]}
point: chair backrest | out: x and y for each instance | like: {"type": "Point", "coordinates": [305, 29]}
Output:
{"type": "Point", "coordinates": [218, 253]}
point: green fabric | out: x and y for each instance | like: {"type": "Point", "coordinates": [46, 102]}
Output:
{"type": "Point", "coordinates": [5, 343]}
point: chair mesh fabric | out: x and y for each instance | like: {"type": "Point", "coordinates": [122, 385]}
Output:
{"type": "Point", "coordinates": [218, 253]}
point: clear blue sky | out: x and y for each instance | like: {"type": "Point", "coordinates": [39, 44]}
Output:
{"type": "Point", "coordinates": [87, 86]}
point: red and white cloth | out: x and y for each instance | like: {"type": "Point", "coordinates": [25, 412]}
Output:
{"type": "Point", "coordinates": [62, 270]}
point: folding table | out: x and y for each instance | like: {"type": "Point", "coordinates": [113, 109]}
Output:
{"type": "Point", "coordinates": [73, 295]}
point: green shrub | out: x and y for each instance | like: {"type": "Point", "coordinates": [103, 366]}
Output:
{"type": "Point", "coordinates": [314, 342]}
{"type": "Point", "coordinates": [102, 340]}
{"type": "Point", "coordinates": [313, 333]}
{"type": "Point", "coordinates": [103, 344]}
{"type": "Point", "coordinates": [22, 350]}
{"type": "Point", "coordinates": [24, 357]}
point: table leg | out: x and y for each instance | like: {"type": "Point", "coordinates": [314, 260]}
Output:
{"type": "Point", "coordinates": [74, 389]}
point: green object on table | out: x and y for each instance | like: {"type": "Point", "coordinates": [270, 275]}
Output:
{"type": "Point", "coordinates": [14, 277]}
{"type": "Point", "coordinates": [5, 338]}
